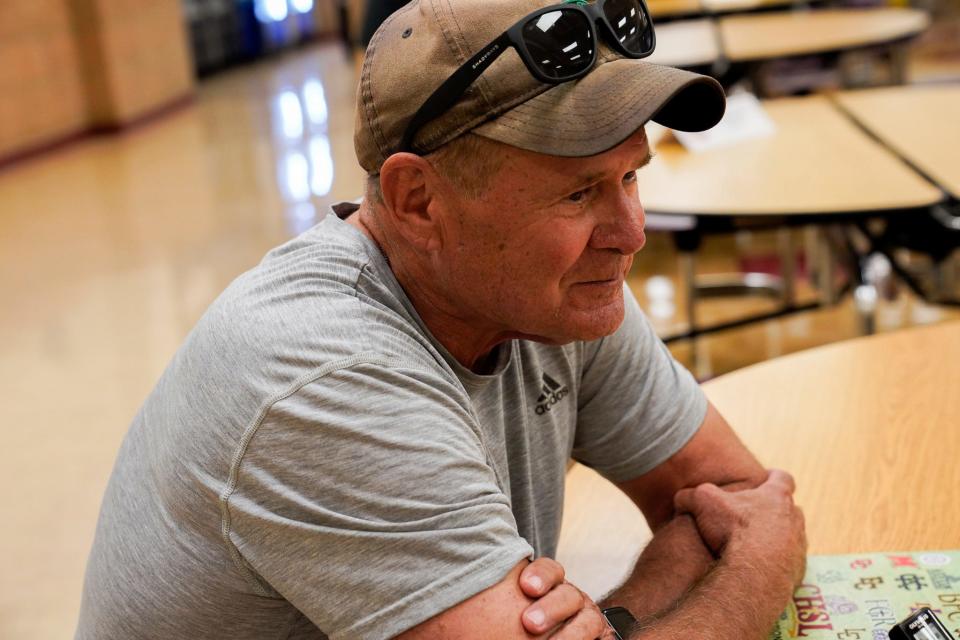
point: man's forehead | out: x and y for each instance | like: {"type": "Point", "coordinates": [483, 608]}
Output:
{"type": "Point", "coordinates": [635, 145]}
{"type": "Point", "coordinates": [636, 141]}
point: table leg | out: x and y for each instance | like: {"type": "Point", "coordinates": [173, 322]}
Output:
{"type": "Point", "coordinates": [787, 267]}
{"type": "Point", "coordinates": [825, 266]}
{"type": "Point", "coordinates": [947, 278]}
{"type": "Point", "coordinates": [865, 300]}
{"type": "Point", "coordinates": [688, 273]}
{"type": "Point", "coordinates": [898, 64]}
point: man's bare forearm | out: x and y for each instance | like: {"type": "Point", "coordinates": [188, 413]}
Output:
{"type": "Point", "coordinates": [759, 537]}
{"type": "Point", "coordinates": [670, 566]}
{"type": "Point", "coordinates": [734, 601]}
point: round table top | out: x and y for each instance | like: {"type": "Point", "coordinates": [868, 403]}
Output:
{"type": "Point", "coordinates": [732, 6]}
{"type": "Point", "coordinates": [870, 429]}
{"type": "Point", "coordinates": [792, 33]}
{"type": "Point", "coordinates": [919, 122]}
{"type": "Point", "coordinates": [680, 8]}
{"type": "Point", "coordinates": [816, 162]}
{"type": "Point", "coordinates": [672, 8]}
{"type": "Point", "coordinates": [686, 43]}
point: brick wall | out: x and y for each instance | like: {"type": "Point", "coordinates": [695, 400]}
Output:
{"type": "Point", "coordinates": [135, 54]}
{"type": "Point", "coordinates": [42, 97]}
{"type": "Point", "coordinates": [67, 66]}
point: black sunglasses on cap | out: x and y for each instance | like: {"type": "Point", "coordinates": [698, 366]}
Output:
{"type": "Point", "coordinates": [557, 44]}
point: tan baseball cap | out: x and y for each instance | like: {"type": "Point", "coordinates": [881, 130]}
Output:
{"type": "Point", "coordinates": [423, 43]}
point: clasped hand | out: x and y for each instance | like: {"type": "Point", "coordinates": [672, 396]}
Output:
{"type": "Point", "coordinates": [560, 611]}
{"type": "Point", "coordinates": [759, 528]}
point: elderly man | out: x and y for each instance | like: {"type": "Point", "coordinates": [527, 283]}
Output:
{"type": "Point", "coordinates": [366, 435]}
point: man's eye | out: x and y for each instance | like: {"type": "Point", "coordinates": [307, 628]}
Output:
{"type": "Point", "coordinates": [577, 196]}
{"type": "Point", "coordinates": [630, 177]}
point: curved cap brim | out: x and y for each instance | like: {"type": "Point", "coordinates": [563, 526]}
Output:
{"type": "Point", "coordinates": [601, 110]}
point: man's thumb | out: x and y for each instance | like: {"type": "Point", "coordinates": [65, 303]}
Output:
{"type": "Point", "coordinates": [697, 500]}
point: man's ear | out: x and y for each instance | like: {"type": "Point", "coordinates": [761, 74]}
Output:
{"type": "Point", "coordinates": [412, 197]}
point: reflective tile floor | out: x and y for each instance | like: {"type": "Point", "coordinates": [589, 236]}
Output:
{"type": "Point", "coordinates": [111, 248]}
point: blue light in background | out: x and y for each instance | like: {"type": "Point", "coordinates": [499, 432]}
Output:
{"type": "Point", "coordinates": [301, 6]}
{"type": "Point", "coordinates": [268, 11]}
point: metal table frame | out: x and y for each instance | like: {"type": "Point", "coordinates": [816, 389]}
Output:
{"type": "Point", "coordinates": [689, 230]}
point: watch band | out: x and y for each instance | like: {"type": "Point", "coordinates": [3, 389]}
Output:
{"type": "Point", "coordinates": [621, 621]}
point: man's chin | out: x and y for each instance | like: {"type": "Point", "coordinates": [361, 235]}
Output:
{"type": "Point", "coordinates": [585, 325]}
{"type": "Point", "coordinates": [600, 331]}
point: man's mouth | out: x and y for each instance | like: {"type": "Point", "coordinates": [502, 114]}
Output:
{"type": "Point", "coordinates": [614, 280]}
{"type": "Point", "coordinates": [609, 277]}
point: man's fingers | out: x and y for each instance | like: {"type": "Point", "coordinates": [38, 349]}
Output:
{"type": "Point", "coordinates": [586, 625]}
{"type": "Point", "coordinates": [540, 576]}
{"type": "Point", "coordinates": [783, 480]}
{"type": "Point", "coordinates": [710, 506]}
{"type": "Point", "coordinates": [557, 607]}
{"type": "Point", "coordinates": [685, 502]}
{"type": "Point", "coordinates": [802, 521]}
{"type": "Point", "coordinates": [695, 501]}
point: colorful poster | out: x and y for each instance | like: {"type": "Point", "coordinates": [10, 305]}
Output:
{"type": "Point", "coordinates": [860, 597]}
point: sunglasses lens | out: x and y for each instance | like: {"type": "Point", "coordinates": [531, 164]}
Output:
{"type": "Point", "coordinates": [631, 25]}
{"type": "Point", "coordinates": [560, 43]}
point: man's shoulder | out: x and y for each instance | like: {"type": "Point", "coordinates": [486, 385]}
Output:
{"type": "Point", "coordinates": [280, 333]}
{"type": "Point", "coordinates": [327, 292]}
{"type": "Point", "coordinates": [326, 259]}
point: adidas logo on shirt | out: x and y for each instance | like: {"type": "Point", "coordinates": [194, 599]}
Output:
{"type": "Point", "coordinates": [551, 393]}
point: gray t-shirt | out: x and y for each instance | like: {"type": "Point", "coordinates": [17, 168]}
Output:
{"type": "Point", "coordinates": [313, 464]}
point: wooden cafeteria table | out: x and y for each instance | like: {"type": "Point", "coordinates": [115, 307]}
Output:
{"type": "Point", "coordinates": [816, 168]}
{"type": "Point", "coordinates": [689, 44]}
{"type": "Point", "coordinates": [793, 33]}
{"type": "Point", "coordinates": [868, 427]}
{"type": "Point", "coordinates": [672, 9]}
{"type": "Point", "coordinates": [660, 9]}
{"type": "Point", "coordinates": [921, 123]}
{"type": "Point", "coordinates": [736, 6]}
{"type": "Point", "coordinates": [816, 163]}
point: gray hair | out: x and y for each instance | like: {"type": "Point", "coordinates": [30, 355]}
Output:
{"type": "Point", "coordinates": [468, 161]}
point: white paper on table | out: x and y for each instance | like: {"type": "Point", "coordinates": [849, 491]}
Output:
{"type": "Point", "coordinates": [744, 119]}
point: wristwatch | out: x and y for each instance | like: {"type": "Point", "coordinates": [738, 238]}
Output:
{"type": "Point", "coordinates": [921, 625]}
{"type": "Point", "coordinates": [621, 621]}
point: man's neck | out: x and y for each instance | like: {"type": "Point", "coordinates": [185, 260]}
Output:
{"type": "Point", "coordinates": [469, 344]}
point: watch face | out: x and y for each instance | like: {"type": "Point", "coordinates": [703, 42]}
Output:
{"type": "Point", "coordinates": [929, 633]}
{"type": "Point", "coordinates": [621, 620]}
{"type": "Point", "coordinates": [923, 625]}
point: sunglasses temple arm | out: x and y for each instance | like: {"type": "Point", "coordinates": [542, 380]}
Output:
{"type": "Point", "coordinates": [453, 88]}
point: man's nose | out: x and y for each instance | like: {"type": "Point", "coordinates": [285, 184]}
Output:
{"type": "Point", "coordinates": [621, 226]}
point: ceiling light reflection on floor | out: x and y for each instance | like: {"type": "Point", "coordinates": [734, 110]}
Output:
{"type": "Point", "coordinates": [301, 217]}
{"type": "Point", "coordinates": [290, 113]}
{"type": "Point", "coordinates": [321, 160]}
{"type": "Point", "coordinates": [316, 102]}
{"type": "Point", "coordinates": [295, 177]}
